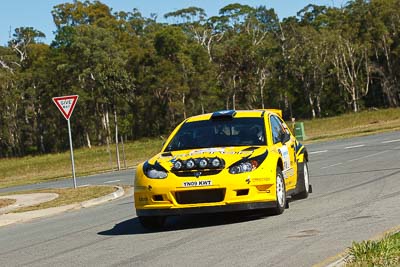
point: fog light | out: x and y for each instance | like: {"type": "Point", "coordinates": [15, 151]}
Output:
{"type": "Point", "coordinates": [216, 162]}
{"type": "Point", "coordinates": [203, 163]}
{"type": "Point", "coordinates": [190, 164]}
{"type": "Point", "coordinates": [177, 165]}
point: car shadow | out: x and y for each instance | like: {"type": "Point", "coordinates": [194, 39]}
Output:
{"type": "Point", "coordinates": [176, 223]}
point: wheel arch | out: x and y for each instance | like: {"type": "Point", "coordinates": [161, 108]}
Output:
{"type": "Point", "coordinates": [280, 163]}
{"type": "Point", "coordinates": [305, 155]}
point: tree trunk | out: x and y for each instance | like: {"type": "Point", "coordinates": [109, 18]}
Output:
{"type": "Point", "coordinates": [183, 103]}
{"type": "Point", "coordinates": [262, 96]}
{"type": "Point", "coordinates": [311, 101]}
{"type": "Point", "coordinates": [116, 139]}
{"type": "Point", "coordinates": [354, 100]}
{"type": "Point", "coordinates": [88, 140]}
{"type": "Point", "coordinates": [106, 126]}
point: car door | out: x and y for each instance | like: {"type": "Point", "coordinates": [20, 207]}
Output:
{"type": "Point", "coordinates": [284, 142]}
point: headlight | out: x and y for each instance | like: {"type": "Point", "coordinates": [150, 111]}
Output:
{"type": "Point", "coordinates": [247, 164]}
{"type": "Point", "coordinates": [155, 171]}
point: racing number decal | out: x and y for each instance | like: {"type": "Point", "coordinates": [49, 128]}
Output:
{"type": "Point", "coordinates": [285, 156]}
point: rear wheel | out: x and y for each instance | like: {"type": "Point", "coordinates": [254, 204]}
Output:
{"type": "Point", "coordinates": [152, 222]}
{"type": "Point", "coordinates": [281, 201]}
{"type": "Point", "coordinates": [304, 183]}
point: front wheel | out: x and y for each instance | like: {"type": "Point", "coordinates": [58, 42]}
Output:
{"type": "Point", "coordinates": [281, 201]}
{"type": "Point", "coordinates": [152, 222]}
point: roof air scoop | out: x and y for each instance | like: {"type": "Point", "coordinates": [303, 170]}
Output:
{"type": "Point", "coordinates": [223, 114]}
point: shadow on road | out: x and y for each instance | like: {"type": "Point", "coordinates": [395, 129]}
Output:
{"type": "Point", "coordinates": [133, 226]}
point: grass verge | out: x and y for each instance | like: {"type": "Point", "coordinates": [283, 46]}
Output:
{"type": "Point", "coordinates": [50, 167]}
{"type": "Point", "coordinates": [353, 124]}
{"type": "Point", "coordinates": [385, 252]}
{"type": "Point", "coordinates": [67, 196]}
{"type": "Point", "coordinates": [4, 202]}
{"type": "Point", "coordinates": [29, 170]}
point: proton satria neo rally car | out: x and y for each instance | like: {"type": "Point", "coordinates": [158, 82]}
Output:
{"type": "Point", "coordinates": [223, 161]}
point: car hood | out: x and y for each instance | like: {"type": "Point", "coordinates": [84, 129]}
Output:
{"type": "Point", "coordinates": [229, 154]}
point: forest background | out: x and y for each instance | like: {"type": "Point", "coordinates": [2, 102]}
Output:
{"type": "Point", "coordinates": [145, 77]}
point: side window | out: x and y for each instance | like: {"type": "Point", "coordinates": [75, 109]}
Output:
{"type": "Point", "coordinates": [277, 129]}
{"type": "Point", "coordinates": [284, 126]}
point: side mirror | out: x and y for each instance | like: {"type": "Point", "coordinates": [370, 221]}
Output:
{"type": "Point", "coordinates": [285, 137]}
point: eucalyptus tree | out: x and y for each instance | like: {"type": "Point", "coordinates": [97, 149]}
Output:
{"type": "Point", "coordinates": [351, 59]}
{"type": "Point", "coordinates": [20, 90]}
{"type": "Point", "coordinates": [244, 53]}
{"type": "Point", "coordinates": [309, 55]}
{"type": "Point", "coordinates": [384, 22]}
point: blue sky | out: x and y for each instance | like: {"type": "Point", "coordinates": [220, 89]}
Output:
{"type": "Point", "coordinates": [36, 13]}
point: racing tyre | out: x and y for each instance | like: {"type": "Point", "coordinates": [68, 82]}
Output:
{"type": "Point", "coordinates": [152, 222]}
{"type": "Point", "coordinates": [304, 182]}
{"type": "Point", "coordinates": [281, 201]}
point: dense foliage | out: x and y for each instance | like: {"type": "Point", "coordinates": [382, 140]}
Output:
{"type": "Point", "coordinates": [147, 76]}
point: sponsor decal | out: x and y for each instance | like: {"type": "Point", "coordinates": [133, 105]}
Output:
{"type": "Point", "coordinates": [143, 199]}
{"type": "Point", "coordinates": [288, 173]}
{"type": "Point", "coordinates": [260, 179]}
{"type": "Point", "coordinates": [211, 151]}
{"type": "Point", "coordinates": [285, 157]}
{"type": "Point", "coordinates": [197, 183]}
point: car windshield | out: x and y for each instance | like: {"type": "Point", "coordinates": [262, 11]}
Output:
{"type": "Point", "coordinates": [219, 133]}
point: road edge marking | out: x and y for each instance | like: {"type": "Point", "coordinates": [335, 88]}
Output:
{"type": "Point", "coordinates": [113, 181]}
{"type": "Point", "coordinates": [317, 152]}
{"type": "Point", "coordinates": [390, 141]}
{"type": "Point", "coordinates": [355, 146]}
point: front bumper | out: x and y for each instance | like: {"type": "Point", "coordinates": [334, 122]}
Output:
{"type": "Point", "coordinates": [206, 209]}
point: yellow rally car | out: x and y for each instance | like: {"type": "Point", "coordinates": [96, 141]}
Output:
{"type": "Point", "coordinates": [222, 161]}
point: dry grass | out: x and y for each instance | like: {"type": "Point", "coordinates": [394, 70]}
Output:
{"type": "Point", "coordinates": [35, 169]}
{"type": "Point", "coordinates": [67, 196]}
{"type": "Point", "coordinates": [4, 202]}
{"type": "Point", "coordinates": [348, 125]}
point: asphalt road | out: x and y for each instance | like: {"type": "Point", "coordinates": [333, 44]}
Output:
{"type": "Point", "coordinates": [356, 185]}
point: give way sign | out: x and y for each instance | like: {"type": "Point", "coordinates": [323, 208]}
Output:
{"type": "Point", "coordinates": [66, 104]}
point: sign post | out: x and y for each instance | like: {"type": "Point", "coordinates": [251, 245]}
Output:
{"type": "Point", "coordinates": [66, 105]}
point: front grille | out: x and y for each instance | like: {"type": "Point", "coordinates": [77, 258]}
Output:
{"type": "Point", "coordinates": [200, 196]}
{"type": "Point", "coordinates": [193, 173]}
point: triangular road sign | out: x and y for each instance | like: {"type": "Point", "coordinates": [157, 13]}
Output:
{"type": "Point", "coordinates": [66, 104]}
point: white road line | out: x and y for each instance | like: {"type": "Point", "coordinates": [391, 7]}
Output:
{"type": "Point", "coordinates": [368, 156]}
{"type": "Point", "coordinates": [317, 152]}
{"type": "Point", "coordinates": [333, 165]}
{"type": "Point", "coordinates": [84, 185]}
{"type": "Point", "coordinates": [350, 147]}
{"type": "Point", "coordinates": [109, 182]}
{"type": "Point", "coordinates": [351, 160]}
{"type": "Point", "coordinates": [390, 141]}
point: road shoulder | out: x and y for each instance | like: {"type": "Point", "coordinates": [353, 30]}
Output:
{"type": "Point", "coordinates": [11, 218]}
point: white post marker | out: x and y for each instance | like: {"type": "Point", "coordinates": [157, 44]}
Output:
{"type": "Point", "coordinates": [66, 105]}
